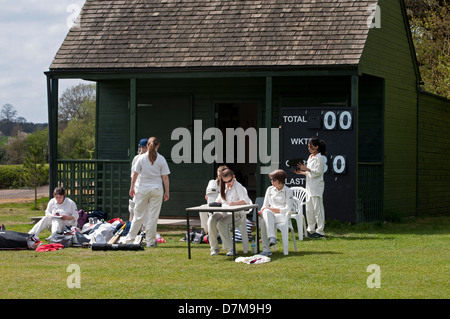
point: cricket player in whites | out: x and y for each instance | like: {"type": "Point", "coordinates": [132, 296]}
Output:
{"type": "Point", "coordinates": [142, 148]}
{"type": "Point", "coordinates": [153, 171]}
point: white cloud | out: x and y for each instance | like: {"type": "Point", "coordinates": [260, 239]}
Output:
{"type": "Point", "coordinates": [31, 32]}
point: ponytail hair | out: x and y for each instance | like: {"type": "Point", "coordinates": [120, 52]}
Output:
{"type": "Point", "coordinates": [227, 174]}
{"type": "Point", "coordinates": [220, 169]}
{"type": "Point", "coordinates": [152, 145]}
{"type": "Point", "coordinates": [321, 143]}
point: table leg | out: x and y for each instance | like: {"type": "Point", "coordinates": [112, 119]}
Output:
{"type": "Point", "coordinates": [257, 233]}
{"type": "Point", "coordinates": [188, 235]}
{"type": "Point", "coordinates": [234, 236]}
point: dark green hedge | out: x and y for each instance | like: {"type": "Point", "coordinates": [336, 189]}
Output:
{"type": "Point", "coordinates": [12, 176]}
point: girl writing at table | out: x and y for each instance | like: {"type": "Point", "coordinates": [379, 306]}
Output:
{"type": "Point", "coordinates": [231, 193]}
{"type": "Point", "coordinates": [212, 191]}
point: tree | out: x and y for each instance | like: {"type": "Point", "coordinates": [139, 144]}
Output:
{"type": "Point", "coordinates": [77, 140]}
{"type": "Point", "coordinates": [21, 120]}
{"type": "Point", "coordinates": [430, 28]}
{"type": "Point", "coordinates": [9, 114]}
{"type": "Point", "coordinates": [15, 149]}
{"type": "Point", "coordinates": [71, 102]}
{"type": "Point", "coordinates": [37, 149]}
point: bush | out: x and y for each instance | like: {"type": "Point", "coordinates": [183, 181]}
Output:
{"type": "Point", "coordinates": [11, 176]}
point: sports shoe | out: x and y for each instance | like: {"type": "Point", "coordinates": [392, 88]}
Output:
{"type": "Point", "coordinates": [230, 254]}
{"type": "Point", "coordinates": [273, 241]}
{"type": "Point", "coordinates": [315, 235]}
{"type": "Point", "coordinates": [214, 252]}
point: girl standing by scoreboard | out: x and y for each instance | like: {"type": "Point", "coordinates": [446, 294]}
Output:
{"type": "Point", "coordinates": [314, 170]}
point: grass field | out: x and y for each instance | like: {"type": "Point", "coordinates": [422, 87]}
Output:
{"type": "Point", "coordinates": [412, 258]}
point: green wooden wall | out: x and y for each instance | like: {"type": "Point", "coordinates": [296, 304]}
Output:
{"type": "Point", "coordinates": [388, 55]}
{"type": "Point", "coordinates": [371, 121]}
{"type": "Point", "coordinates": [113, 122]}
{"type": "Point", "coordinates": [434, 155]}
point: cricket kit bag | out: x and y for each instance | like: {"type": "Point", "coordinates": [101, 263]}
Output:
{"type": "Point", "coordinates": [104, 246]}
{"type": "Point", "coordinates": [11, 240]}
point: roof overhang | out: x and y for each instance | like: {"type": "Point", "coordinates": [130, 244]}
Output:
{"type": "Point", "coordinates": [95, 74]}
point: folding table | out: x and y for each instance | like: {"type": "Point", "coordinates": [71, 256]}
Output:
{"type": "Point", "coordinates": [223, 208]}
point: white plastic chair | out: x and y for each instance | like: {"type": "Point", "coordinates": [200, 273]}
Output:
{"type": "Point", "coordinates": [284, 222]}
{"type": "Point", "coordinates": [302, 197]}
{"type": "Point", "coordinates": [284, 225]}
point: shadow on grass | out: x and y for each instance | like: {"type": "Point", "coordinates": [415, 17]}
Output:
{"type": "Point", "coordinates": [280, 255]}
{"type": "Point", "coordinates": [350, 237]}
{"type": "Point", "coordinates": [420, 225]}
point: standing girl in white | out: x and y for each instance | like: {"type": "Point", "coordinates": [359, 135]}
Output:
{"type": "Point", "coordinates": [313, 170]}
{"type": "Point", "coordinates": [142, 146]}
{"type": "Point", "coordinates": [153, 171]}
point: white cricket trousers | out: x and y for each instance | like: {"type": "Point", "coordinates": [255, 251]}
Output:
{"type": "Point", "coordinates": [267, 224]}
{"type": "Point", "coordinates": [221, 223]}
{"type": "Point", "coordinates": [147, 208]}
{"type": "Point", "coordinates": [204, 216]}
{"type": "Point", "coordinates": [315, 215]}
{"type": "Point", "coordinates": [47, 222]}
{"type": "Point", "coordinates": [131, 205]}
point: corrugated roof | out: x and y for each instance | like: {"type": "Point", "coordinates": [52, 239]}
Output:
{"type": "Point", "coordinates": [215, 33]}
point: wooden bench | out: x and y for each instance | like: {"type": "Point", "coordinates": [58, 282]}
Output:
{"type": "Point", "coordinates": [36, 219]}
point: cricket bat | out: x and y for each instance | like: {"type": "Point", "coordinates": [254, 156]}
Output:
{"type": "Point", "coordinates": [117, 234]}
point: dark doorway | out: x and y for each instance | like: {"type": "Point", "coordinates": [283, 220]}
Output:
{"type": "Point", "coordinates": [239, 115]}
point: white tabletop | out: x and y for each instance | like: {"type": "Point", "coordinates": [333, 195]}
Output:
{"type": "Point", "coordinates": [223, 208]}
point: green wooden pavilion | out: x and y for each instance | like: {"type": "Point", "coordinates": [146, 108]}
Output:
{"type": "Point", "coordinates": [160, 65]}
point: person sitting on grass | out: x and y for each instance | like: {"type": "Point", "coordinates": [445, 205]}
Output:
{"type": "Point", "coordinates": [61, 212]}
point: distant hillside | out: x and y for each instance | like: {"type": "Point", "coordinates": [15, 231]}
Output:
{"type": "Point", "coordinates": [7, 128]}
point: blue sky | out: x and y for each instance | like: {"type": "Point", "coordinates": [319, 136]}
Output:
{"type": "Point", "coordinates": [31, 32]}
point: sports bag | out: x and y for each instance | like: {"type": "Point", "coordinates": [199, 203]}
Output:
{"type": "Point", "coordinates": [99, 214]}
{"type": "Point", "coordinates": [104, 246]}
{"type": "Point", "coordinates": [11, 240]}
{"type": "Point", "coordinates": [82, 218]}
{"type": "Point", "coordinates": [196, 235]}
{"type": "Point", "coordinates": [65, 239]}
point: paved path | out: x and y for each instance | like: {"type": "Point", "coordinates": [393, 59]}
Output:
{"type": "Point", "coordinates": [22, 195]}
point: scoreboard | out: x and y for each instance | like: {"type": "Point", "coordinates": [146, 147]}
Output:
{"type": "Point", "coordinates": [336, 126]}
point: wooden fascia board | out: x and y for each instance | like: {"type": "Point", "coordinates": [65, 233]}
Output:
{"type": "Point", "coordinates": [113, 74]}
